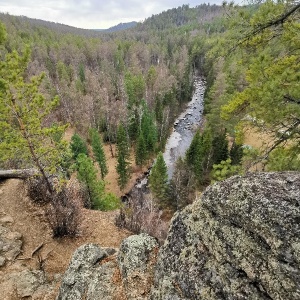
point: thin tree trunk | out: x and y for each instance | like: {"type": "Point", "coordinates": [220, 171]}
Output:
{"type": "Point", "coordinates": [32, 150]}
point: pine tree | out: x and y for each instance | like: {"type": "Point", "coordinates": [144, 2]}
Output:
{"type": "Point", "coordinates": [24, 138]}
{"type": "Point", "coordinates": [236, 153]}
{"type": "Point", "coordinates": [78, 146]}
{"type": "Point", "coordinates": [220, 148]}
{"type": "Point", "coordinates": [199, 155]}
{"type": "Point", "coordinates": [134, 124]}
{"type": "Point", "coordinates": [87, 174]}
{"type": "Point", "coordinates": [98, 152]}
{"type": "Point", "coordinates": [141, 151]}
{"type": "Point", "coordinates": [182, 185]}
{"type": "Point", "coordinates": [158, 180]}
{"type": "Point", "coordinates": [148, 129]}
{"type": "Point", "coordinates": [191, 153]}
{"type": "Point", "coordinates": [268, 50]}
{"type": "Point", "coordinates": [123, 154]}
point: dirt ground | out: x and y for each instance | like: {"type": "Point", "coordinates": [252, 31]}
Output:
{"type": "Point", "coordinates": [53, 255]}
{"type": "Point", "coordinates": [29, 219]}
{"type": "Point", "coordinates": [111, 179]}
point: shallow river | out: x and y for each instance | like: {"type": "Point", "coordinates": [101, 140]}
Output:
{"type": "Point", "coordinates": [184, 127]}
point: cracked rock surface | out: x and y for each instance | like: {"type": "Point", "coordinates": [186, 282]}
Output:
{"type": "Point", "coordinates": [240, 240]}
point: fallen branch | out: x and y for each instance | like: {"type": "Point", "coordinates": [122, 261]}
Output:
{"type": "Point", "coordinates": [18, 173]}
{"type": "Point", "coordinates": [37, 249]}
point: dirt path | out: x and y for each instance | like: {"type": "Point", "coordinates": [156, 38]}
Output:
{"type": "Point", "coordinates": [29, 219]}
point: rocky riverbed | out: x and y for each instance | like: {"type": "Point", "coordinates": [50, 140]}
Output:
{"type": "Point", "coordinates": [185, 126]}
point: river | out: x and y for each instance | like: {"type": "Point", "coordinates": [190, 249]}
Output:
{"type": "Point", "coordinates": [185, 126]}
{"type": "Point", "coordinates": [142, 214]}
{"type": "Point", "coordinates": [183, 130]}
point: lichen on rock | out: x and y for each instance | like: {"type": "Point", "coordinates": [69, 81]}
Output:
{"type": "Point", "coordinates": [136, 259]}
{"type": "Point", "coordinates": [239, 241]}
{"type": "Point", "coordinates": [93, 274]}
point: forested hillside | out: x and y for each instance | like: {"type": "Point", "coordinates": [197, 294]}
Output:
{"type": "Point", "coordinates": [110, 72]}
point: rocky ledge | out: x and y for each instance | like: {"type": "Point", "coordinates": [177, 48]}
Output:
{"type": "Point", "coordinates": [240, 240]}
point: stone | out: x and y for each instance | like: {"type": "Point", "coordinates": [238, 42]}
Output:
{"type": "Point", "coordinates": [239, 241]}
{"type": "Point", "coordinates": [6, 220]}
{"type": "Point", "coordinates": [2, 261]}
{"type": "Point", "coordinates": [103, 284]}
{"type": "Point", "coordinates": [10, 243]}
{"type": "Point", "coordinates": [24, 283]}
{"type": "Point", "coordinates": [126, 274]}
{"type": "Point", "coordinates": [14, 235]}
{"type": "Point", "coordinates": [80, 272]}
{"type": "Point", "coordinates": [137, 257]}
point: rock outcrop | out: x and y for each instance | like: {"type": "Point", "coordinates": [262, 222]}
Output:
{"type": "Point", "coordinates": [96, 273]}
{"type": "Point", "coordinates": [136, 260]}
{"type": "Point", "coordinates": [20, 282]}
{"type": "Point", "coordinates": [240, 240]}
{"type": "Point", "coordinates": [10, 241]}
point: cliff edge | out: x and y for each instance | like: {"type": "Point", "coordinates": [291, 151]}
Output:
{"type": "Point", "coordinates": [240, 240]}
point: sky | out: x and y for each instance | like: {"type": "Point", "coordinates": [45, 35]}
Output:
{"type": "Point", "coordinates": [92, 14]}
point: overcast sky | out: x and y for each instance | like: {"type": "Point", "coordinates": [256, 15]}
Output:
{"type": "Point", "coordinates": [97, 14]}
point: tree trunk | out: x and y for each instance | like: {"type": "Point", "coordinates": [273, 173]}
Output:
{"type": "Point", "coordinates": [18, 173]}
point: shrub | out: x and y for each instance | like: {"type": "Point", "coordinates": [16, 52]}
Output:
{"type": "Point", "coordinates": [37, 190]}
{"type": "Point", "coordinates": [63, 214]}
{"type": "Point", "coordinates": [109, 202]}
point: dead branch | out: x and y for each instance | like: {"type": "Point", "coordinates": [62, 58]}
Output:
{"type": "Point", "coordinates": [18, 173]}
{"type": "Point", "coordinates": [37, 249]}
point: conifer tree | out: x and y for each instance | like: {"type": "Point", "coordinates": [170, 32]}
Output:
{"type": "Point", "coordinates": [78, 146]}
{"type": "Point", "coordinates": [158, 180]}
{"type": "Point", "coordinates": [123, 154]}
{"type": "Point", "coordinates": [268, 50]}
{"type": "Point", "coordinates": [24, 138]}
{"type": "Point", "coordinates": [98, 152]}
{"type": "Point", "coordinates": [199, 154]}
{"type": "Point", "coordinates": [182, 185]}
{"type": "Point", "coordinates": [148, 128]}
{"type": "Point", "coordinates": [220, 147]}
{"type": "Point", "coordinates": [191, 153]}
{"type": "Point", "coordinates": [141, 151]}
{"type": "Point", "coordinates": [87, 174]}
{"type": "Point", "coordinates": [236, 153]}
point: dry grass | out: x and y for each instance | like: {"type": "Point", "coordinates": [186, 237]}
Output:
{"type": "Point", "coordinates": [257, 139]}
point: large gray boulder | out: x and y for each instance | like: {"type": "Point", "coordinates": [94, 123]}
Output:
{"type": "Point", "coordinates": [97, 273]}
{"type": "Point", "coordinates": [241, 240]}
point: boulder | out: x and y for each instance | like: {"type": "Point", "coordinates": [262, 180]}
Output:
{"type": "Point", "coordinates": [27, 283]}
{"type": "Point", "coordinates": [80, 272]}
{"type": "Point", "coordinates": [126, 274]}
{"type": "Point", "coordinates": [136, 259]}
{"type": "Point", "coordinates": [240, 240]}
{"type": "Point", "coordinates": [10, 244]}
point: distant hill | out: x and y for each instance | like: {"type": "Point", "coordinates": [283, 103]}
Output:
{"type": "Point", "coordinates": [119, 27]}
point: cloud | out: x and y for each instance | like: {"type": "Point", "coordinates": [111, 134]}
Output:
{"type": "Point", "coordinates": [91, 13]}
